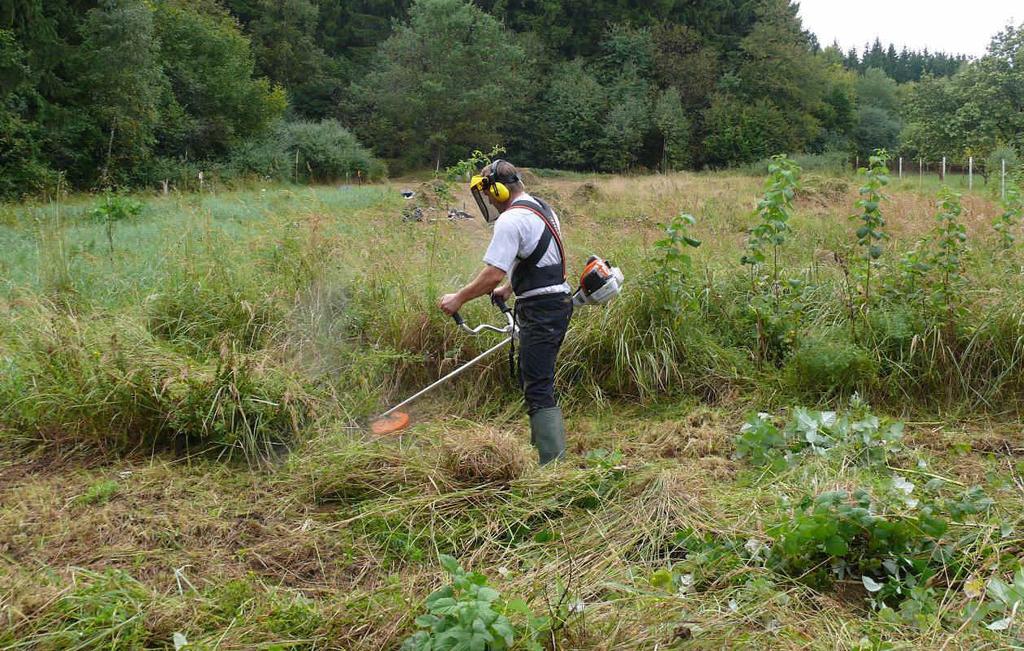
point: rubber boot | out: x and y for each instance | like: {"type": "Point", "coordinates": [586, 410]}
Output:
{"type": "Point", "coordinates": [547, 433]}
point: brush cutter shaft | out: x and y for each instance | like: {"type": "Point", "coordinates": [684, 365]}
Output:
{"type": "Point", "coordinates": [451, 375]}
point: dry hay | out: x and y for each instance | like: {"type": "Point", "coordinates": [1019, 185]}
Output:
{"type": "Point", "coordinates": [480, 457]}
{"type": "Point", "coordinates": [357, 469]}
{"type": "Point", "coordinates": [587, 192]}
{"type": "Point", "coordinates": [823, 190]}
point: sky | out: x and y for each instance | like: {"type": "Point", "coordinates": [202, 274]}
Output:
{"type": "Point", "coordinates": [953, 26]}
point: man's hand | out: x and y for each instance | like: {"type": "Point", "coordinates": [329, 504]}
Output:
{"type": "Point", "coordinates": [503, 293]}
{"type": "Point", "coordinates": [450, 304]}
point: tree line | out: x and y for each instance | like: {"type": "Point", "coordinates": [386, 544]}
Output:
{"type": "Point", "coordinates": [114, 93]}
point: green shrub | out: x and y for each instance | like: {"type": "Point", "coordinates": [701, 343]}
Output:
{"type": "Point", "coordinates": [830, 365]}
{"type": "Point", "coordinates": [304, 152]}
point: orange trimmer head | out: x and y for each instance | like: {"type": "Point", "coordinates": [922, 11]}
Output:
{"type": "Point", "coordinates": [390, 424]}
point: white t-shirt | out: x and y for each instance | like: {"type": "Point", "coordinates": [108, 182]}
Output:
{"type": "Point", "coordinates": [517, 233]}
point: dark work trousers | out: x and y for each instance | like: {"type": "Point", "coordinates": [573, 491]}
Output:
{"type": "Point", "coordinates": [543, 321]}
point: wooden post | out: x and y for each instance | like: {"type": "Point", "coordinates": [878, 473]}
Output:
{"type": "Point", "coordinates": [1002, 182]}
{"type": "Point", "coordinates": [901, 167]}
{"type": "Point", "coordinates": [970, 173]}
{"type": "Point", "coordinates": [943, 169]}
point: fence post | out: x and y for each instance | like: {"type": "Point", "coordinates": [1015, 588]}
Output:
{"type": "Point", "coordinates": [970, 173]}
{"type": "Point", "coordinates": [1002, 182]}
{"type": "Point", "coordinates": [920, 172]}
{"type": "Point", "coordinates": [943, 169]}
{"type": "Point", "coordinates": [901, 167]}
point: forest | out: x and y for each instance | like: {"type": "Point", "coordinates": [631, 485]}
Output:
{"type": "Point", "coordinates": [135, 93]}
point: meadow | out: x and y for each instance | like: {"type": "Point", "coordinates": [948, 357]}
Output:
{"type": "Point", "coordinates": [798, 427]}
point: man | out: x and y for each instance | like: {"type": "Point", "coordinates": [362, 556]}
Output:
{"type": "Point", "coordinates": [527, 248]}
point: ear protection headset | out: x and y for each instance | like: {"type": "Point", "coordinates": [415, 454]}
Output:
{"type": "Point", "coordinates": [496, 185]}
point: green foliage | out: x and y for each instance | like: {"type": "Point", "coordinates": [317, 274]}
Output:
{"type": "Point", "coordinates": [674, 127]}
{"type": "Point", "coordinates": [1006, 224]}
{"type": "Point", "coordinates": [209, 64]}
{"type": "Point", "coordinates": [121, 68]}
{"type": "Point", "coordinates": [429, 94]}
{"type": "Point", "coordinates": [467, 615]}
{"type": "Point", "coordinates": [675, 264]}
{"type": "Point", "coordinates": [307, 152]}
{"type": "Point", "coordinates": [857, 435]}
{"type": "Point", "coordinates": [894, 544]}
{"type": "Point", "coordinates": [113, 209]}
{"type": "Point", "coordinates": [949, 259]}
{"type": "Point", "coordinates": [971, 112]}
{"type": "Point", "coordinates": [828, 365]}
{"type": "Point", "coordinates": [776, 309]}
{"type": "Point", "coordinates": [871, 233]}
{"type": "Point", "coordinates": [99, 493]}
{"type": "Point", "coordinates": [104, 610]}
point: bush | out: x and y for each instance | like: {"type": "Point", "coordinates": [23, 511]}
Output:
{"type": "Point", "coordinates": [830, 365]}
{"type": "Point", "coordinates": [303, 152]}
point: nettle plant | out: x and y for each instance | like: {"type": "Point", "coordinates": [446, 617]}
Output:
{"type": "Point", "coordinates": [870, 234]}
{"type": "Point", "coordinates": [776, 307]}
{"type": "Point", "coordinates": [1007, 223]}
{"type": "Point", "coordinates": [675, 263]}
{"type": "Point", "coordinates": [950, 254]}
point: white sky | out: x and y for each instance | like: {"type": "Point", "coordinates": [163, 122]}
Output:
{"type": "Point", "coordinates": [954, 26]}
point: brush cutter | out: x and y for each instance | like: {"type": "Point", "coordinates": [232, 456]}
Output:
{"type": "Point", "coordinates": [394, 420]}
{"type": "Point", "coordinates": [600, 283]}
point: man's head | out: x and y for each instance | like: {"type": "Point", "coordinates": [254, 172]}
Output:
{"type": "Point", "coordinates": [495, 188]}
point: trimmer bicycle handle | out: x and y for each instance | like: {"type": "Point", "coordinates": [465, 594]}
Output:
{"type": "Point", "coordinates": [458, 319]}
{"type": "Point", "coordinates": [500, 303]}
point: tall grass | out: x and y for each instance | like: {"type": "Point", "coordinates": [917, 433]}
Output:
{"type": "Point", "coordinates": [231, 319]}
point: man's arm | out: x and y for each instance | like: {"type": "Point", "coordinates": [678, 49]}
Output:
{"type": "Point", "coordinates": [485, 282]}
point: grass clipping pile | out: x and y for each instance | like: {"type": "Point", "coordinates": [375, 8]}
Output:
{"type": "Point", "coordinates": [480, 457]}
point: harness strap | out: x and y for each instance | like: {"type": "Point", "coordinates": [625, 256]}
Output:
{"type": "Point", "coordinates": [545, 240]}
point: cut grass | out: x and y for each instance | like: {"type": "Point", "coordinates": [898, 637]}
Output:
{"type": "Point", "coordinates": [250, 320]}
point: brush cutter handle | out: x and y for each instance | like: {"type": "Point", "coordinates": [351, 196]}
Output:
{"type": "Point", "coordinates": [500, 304]}
{"type": "Point", "coordinates": [458, 320]}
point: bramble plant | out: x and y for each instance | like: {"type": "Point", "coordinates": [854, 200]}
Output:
{"type": "Point", "coordinates": [870, 234]}
{"type": "Point", "coordinates": [894, 543]}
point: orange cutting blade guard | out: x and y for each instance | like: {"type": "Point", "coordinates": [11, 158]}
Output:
{"type": "Point", "coordinates": [390, 424]}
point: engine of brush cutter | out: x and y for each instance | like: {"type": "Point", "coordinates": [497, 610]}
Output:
{"type": "Point", "coordinates": [600, 283]}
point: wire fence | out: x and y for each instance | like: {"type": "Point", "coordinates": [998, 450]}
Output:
{"type": "Point", "coordinates": [967, 174]}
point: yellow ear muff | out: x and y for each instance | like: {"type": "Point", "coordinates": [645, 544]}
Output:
{"type": "Point", "coordinates": [500, 192]}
